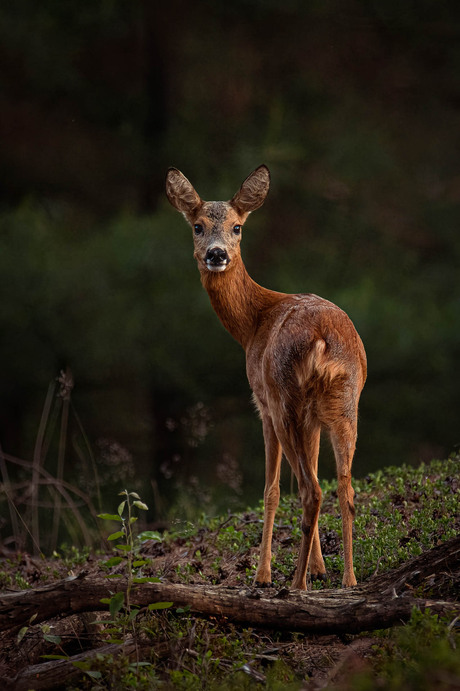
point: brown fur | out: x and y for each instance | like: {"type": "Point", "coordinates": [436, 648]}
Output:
{"type": "Point", "coordinates": [305, 363]}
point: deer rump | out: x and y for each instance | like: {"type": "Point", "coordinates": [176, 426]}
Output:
{"type": "Point", "coordinates": [307, 365]}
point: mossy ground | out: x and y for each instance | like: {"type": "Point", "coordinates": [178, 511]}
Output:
{"type": "Point", "coordinates": [400, 512]}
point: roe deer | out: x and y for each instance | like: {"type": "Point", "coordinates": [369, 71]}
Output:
{"type": "Point", "coordinates": [305, 363]}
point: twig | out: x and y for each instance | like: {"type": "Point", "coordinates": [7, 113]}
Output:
{"type": "Point", "coordinates": [64, 488]}
{"type": "Point", "coordinates": [90, 454]}
{"type": "Point", "coordinates": [66, 382]}
{"type": "Point", "coordinates": [377, 565]}
{"type": "Point", "coordinates": [11, 506]}
{"type": "Point", "coordinates": [37, 462]}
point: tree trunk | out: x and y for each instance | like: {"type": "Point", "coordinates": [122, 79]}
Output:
{"type": "Point", "coordinates": [380, 603]}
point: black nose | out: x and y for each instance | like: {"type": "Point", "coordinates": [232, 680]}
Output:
{"type": "Point", "coordinates": [216, 256]}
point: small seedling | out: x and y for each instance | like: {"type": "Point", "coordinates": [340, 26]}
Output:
{"type": "Point", "coordinates": [128, 547]}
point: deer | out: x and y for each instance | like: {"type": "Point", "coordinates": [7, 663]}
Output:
{"type": "Point", "coordinates": [305, 363]}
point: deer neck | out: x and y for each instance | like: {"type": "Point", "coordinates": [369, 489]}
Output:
{"type": "Point", "coordinates": [237, 300]}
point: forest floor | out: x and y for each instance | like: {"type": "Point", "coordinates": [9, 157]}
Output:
{"type": "Point", "coordinates": [400, 513]}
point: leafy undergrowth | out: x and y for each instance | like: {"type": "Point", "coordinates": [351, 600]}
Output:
{"type": "Point", "coordinates": [400, 512]}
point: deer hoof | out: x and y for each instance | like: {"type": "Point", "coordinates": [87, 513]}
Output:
{"type": "Point", "coordinates": [265, 584]}
{"type": "Point", "coordinates": [319, 577]}
{"type": "Point", "coordinates": [349, 583]}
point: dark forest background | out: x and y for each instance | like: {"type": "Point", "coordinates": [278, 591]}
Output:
{"type": "Point", "coordinates": [355, 107]}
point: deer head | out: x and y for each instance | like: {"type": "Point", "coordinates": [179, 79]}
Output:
{"type": "Point", "coordinates": [217, 225]}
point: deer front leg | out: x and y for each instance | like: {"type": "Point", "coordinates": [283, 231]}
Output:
{"type": "Point", "coordinates": [316, 562]}
{"type": "Point", "coordinates": [271, 499]}
{"type": "Point", "coordinates": [306, 466]}
{"type": "Point", "coordinates": [310, 495]}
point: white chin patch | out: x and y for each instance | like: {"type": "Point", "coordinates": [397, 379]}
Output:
{"type": "Point", "coordinates": [216, 267]}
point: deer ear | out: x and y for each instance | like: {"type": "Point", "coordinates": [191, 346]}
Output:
{"type": "Point", "coordinates": [181, 193]}
{"type": "Point", "coordinates": [253, 191]}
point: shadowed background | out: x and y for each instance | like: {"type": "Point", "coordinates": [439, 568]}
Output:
{"type": "Point", "coordinates": [355, 109]}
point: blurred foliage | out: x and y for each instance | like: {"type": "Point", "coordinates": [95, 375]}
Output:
{"type": "Point", "coordinates": [355, 109]}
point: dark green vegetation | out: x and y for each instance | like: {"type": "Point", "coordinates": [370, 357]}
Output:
{"type": "Point", "coordinates": [354, 107]}
{"type": "Point", "coordinates": [400, 513]}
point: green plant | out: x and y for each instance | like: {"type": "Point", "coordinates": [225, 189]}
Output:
{"type": "Point", "coordinates": [116, 672]}
{"type": "Point", "coordinates": [231, 539]}
{"type": "Point", "coordinates": [8, 580]}
{"type": "Point", "coordinates": [110, 670]}
{"type": "Point", "coordinates": [128, 555]}
{"type": "Point", "coordinates": [71, 556]}
{"type": "Point", "coordinates": [420, 656]}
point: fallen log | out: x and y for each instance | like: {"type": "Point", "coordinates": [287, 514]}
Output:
{"type": "Point", "coordinates": [383, 601]}
{"type": "Point", "coordinates": [380, 603]}
{"type": "Point", "coordinates": [57, 673]}
{"type": "Point", "coordinates": [440, 565]}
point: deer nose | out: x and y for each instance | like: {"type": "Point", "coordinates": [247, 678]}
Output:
{"type": "Point", "coordinates": [216, 257]}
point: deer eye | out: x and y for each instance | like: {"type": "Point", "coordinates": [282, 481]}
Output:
{"type": "Point", "coordinates": [237, 229]}
{"type": "Point", "coordinates": [198, 229]}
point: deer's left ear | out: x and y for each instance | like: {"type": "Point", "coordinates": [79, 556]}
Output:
{"type": "Point", "coordinates": [253, 191]}
{"type": "Point", "coordinates": [181, 193]}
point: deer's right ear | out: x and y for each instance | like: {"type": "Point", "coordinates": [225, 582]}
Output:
{"type": "Point", "coordinates": [181, 193]}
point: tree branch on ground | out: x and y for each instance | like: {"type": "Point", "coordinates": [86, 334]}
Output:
{"type": "Point", "coordinates": [381, 602]}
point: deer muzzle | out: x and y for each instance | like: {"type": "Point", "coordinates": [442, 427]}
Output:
{"type": "Point", "coordinates": [216, 259]}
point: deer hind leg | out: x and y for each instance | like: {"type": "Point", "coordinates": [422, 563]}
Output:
{"type": "Point", "coordinates": [343, 436]}
{"type": "Point", "coordinates": [304, 461]}
{"type": "Point", "coordinates": [271, 499]}
{"type": "Point", "coordinates": [316, 562]}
